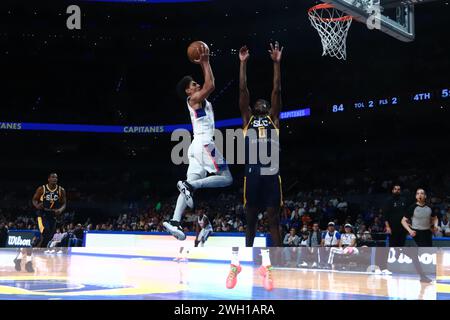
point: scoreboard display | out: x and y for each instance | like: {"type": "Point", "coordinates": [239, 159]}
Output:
{"type": "Point", "coordinates": [392, 101]}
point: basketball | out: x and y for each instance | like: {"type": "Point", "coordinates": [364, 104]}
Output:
{"type": "Point", "coordinates": [193, 50]}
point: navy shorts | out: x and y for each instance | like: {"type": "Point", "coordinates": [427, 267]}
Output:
{"type": "Point", "coordinates": [263, 191]}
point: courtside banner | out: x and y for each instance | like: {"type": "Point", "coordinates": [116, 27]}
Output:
{"type": "Point", "coordinates": [399, 261]}
{"type": "Point", "coordinates": [20, 239]}
{"type": "Point", "coordinates": [165, 246]}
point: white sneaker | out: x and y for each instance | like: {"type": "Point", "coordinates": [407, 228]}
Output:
{"type": "Point", "coordinates": [173, 227]}
{"type": "Point", "coordinates": [304, 264]}
{"type": "Point", "coordinates": [386, 272]}
{"type": "Point", "coordinates": [378, 271]}
{"type": "Point", "coordinates": [187, 191]}
{"type": "Point", "coordinates": [59, 252]}
{"type": "Point", "coordinates": [314, 265]}
{"type": "Point", "coordinates": [47, 251]}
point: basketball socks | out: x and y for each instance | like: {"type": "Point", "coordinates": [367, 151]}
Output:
{"type": "Point", "coordinates": [235, 256]}
{"type": "Point", "coordinates": [265, 257]}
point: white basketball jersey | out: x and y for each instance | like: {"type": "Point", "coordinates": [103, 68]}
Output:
{"type": "Point", "coordinates": [202, 121]}
{"type": "Point", "coordinates": [203, 223]}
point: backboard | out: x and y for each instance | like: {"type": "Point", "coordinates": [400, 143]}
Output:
{"type": "Point", "coordinates": [394, 17]}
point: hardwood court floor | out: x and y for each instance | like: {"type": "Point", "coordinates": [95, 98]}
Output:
{"type": "Point", "coordinates": [75, 276]}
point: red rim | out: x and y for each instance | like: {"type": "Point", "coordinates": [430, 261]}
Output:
{"type": "Point", "coordinates": [327, 6]}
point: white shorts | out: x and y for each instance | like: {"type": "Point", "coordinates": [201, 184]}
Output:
{"type": "Point", "coordinates": [204, 234]}
{"type": "Point", "coordinates": [204, 159]}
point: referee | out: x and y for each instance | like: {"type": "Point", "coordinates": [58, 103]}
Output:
{"type": "Point", "coordinates": [420, 221]}
{"type": "Point", "coordinates": [395, 211]}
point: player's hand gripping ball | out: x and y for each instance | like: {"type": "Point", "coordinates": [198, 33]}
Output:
{"type": "Point", "coordinates": [196, 50]}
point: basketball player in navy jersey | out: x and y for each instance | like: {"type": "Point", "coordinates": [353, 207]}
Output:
{"type": "Point", "coordinates": [262, 182]}
{"type": "Point", "coordinates": [204, 158]}
{"type": "Point", "coordinates": [50, 202]}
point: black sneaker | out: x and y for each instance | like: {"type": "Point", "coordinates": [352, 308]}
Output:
{"type": "Point", "coordinates": [175, 229]}
{"type": "Point", "coordinates": [187, 190]}
{"type": "Point", "coordinates": [17, 264]}
{"type": "Point", "coordinates": [29, 266]}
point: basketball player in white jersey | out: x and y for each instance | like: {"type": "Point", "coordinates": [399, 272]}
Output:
{"type": "Point", "coordinates": [204, 228]}
{"type": "Point", "coordinates": [204, 158]}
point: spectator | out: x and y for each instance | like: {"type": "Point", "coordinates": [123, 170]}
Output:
{"type": "Point", "coordinates": [295, 222]}
{"type": "Point", "coordinates": [444, 227]}
{"type": "Point", "coordinates": [332, 237]}
{"type": "Point", "coordinates": [56, 241]}
{"type": "Point", "coordinates": [290, 241]}
{"type": "Point", "coordinates": [377, 226]}
{"type": "Point", "coordinates": [303, 249]}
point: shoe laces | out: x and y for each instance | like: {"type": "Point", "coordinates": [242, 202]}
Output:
{"type": "Point", "coordinates": [269, 272]}
{"type": "Point", "coordinates": [232, 273]}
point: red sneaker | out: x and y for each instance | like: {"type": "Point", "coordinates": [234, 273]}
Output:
{"type": "Point", "coordinates": [266, 273]}
{"type": "Point", "coordinates": [232, 276]}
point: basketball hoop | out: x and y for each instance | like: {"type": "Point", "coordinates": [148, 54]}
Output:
{"type": "Point", "coordinates": [332, 25]}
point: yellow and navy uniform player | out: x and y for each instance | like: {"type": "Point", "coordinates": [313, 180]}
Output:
{"type": "Point", "coordinates": [50, 202]}
{"type": "Point", "coordinates": [261, 189]}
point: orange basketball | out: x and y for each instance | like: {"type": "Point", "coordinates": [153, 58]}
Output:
{"type": "Point", "coordinates": [193, 50]}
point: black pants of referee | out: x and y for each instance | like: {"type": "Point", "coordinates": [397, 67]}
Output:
{"type": "Point", "coordinates": [397, 240]}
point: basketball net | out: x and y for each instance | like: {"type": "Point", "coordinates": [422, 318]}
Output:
{"type": "Point", "coordinates": [333, 26]}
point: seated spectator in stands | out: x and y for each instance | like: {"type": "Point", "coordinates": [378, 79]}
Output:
{"type": "Point", "coordinates": [377, 226]}
{"type": "Point", "coordinates": [347, 245]}
{"type": "Point", "coordinates": [225, 227]}
{"type": "Point", "coordinates": [306, 219]}
{"type": "Point", "coordinates": [363, 236]}
{"type": "Point", "coordinates": [290, 241]}
{"type": "Point", "coordinates": [303, 249]}
{"type": "Point", "coordinates": [306, 227]}
{"type": "Point", "coordinates": [295, 222]}
{"type": "Point", "coordinates": [331, 237]}
{"type": "Point", "coordinates": [444, 227]}
{"type": "Point", "coordinates": [359, 222]}
{"type": "Point", "coordinates": [301, 210]}
{"type": "Point", "coordinates": [314, 242]}
{"type": "Point", "coordinates": [56, 240]}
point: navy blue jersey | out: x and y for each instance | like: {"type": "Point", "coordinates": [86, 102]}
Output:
{"type": "Point", "coordinates": [260, 132]}
{"type": "Point", "coordinates": [51, 198]}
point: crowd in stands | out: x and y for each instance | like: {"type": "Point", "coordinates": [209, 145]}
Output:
{"type": "Point", "coordinates": [226, 213]}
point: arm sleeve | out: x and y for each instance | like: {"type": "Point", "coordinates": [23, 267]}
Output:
{"type": "Point", "coordinates": [433, 214]}
{"type": "Point", "coordinates": [410, 211]}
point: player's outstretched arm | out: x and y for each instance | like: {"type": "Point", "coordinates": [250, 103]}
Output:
{"type": "Point", "coordinates": [275, 55]}
{"type": "Point", "coordinates": [244, 95]}
{"type": "Point", "coordinates": [209, 84]}
{"type": "Point", "coordinates": [37, 199]}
